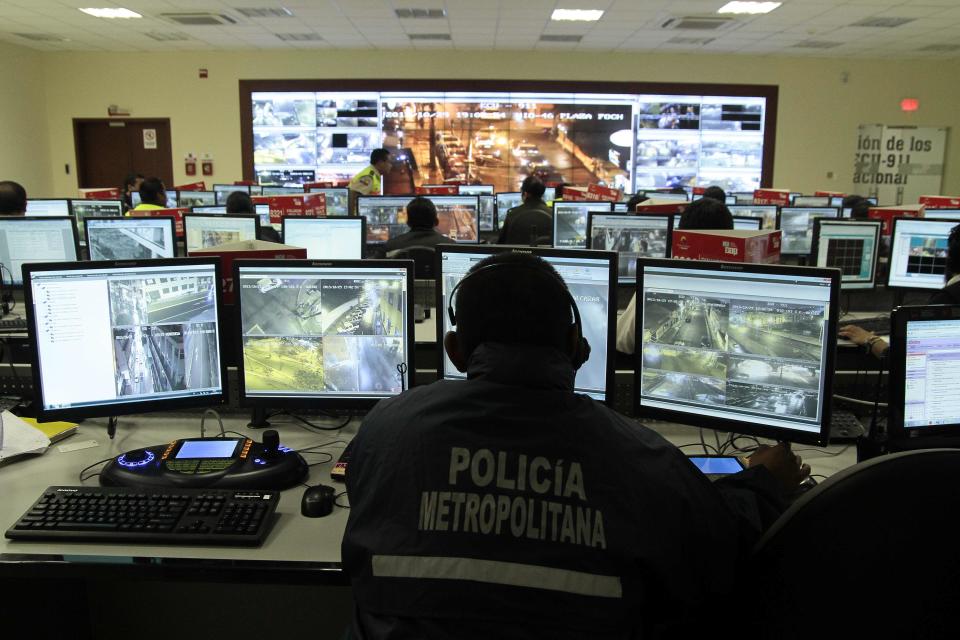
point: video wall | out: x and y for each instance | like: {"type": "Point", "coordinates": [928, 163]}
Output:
{"type": "Point", "coordinates": [630, 141]}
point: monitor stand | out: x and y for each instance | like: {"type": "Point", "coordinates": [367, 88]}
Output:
{"type": "Point", "coordinates": [258, 418]}
{"type": "Point", "coordinates": [112, 427]}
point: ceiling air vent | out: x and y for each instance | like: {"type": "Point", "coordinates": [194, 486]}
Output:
{"type": "Point", "coordinates": [42, 37]}
{"type": "Point", "coordinates": [421, 14]}
{"type": "Point", "coordinates": [560, 38]}
{"type": "Point", "coordinates": [200, 19]}
{"type": "Point", "coordinates": [690, 41]}
{"type": "Point", "coordinates": [882, 23]}
{"type": "Point", "coordinates": [429, 36]}
{"type": "Point", "coordinates": [269, 12]}
{"type": "Point", "coordinates": [299, 37]}
{"type": "Point", "coordinates": [940, 47]}
{"type": "Point", "coordinates": [816, 44]}
{"type": "Point", "coordinates": [167, 37]}
{"type": "Point", "coordinates": [699, 23]}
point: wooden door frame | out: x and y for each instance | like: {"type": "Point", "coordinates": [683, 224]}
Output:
{"type": "Point", "coordinates": [80, 121]}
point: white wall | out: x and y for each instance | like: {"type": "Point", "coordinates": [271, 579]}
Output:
{"type": "Point", "coordinates": [24, 145]}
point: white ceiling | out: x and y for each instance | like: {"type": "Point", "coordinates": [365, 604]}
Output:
{"type": "Point", "coordinates": [627, 25]}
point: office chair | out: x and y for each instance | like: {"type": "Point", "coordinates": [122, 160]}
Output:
{"type": "Point", "coordinates": [541, 241]}
{"type": "Point", "coordinates": [871, 551]}
{"type": "Point", "coordinates": [423, 259]}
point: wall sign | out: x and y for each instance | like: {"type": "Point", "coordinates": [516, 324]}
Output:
{"type": "Point", "coordinates": [899, 164]}
{"type": "Point", "coordinates": [149, 138]}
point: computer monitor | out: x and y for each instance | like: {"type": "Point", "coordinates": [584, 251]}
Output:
{"type": "Point", "coordinates": [942, 214]}
{"type": "Point", "coordinates": [223, 191]}
{"type": "Point", "coordinates": [172, 199]}
{"type": "Point", "coordinates": [339, 238]}
{"type": "Point", "coordinates": [793, 196]}
{"type": "Point", "coordinates": [198, 198]}
{"type": "Point", "coordinates": [746, 223]}
{"type": "Point", "coordinates": [836, 201]}
{"type": "Point", "coordinates": [812, 201]}
{"type": "Point", "coordinates": [549, 194]}
{"type": "Point", "coordinates": [620, 207]}
{"type": "Point", "coordinates": [27, 240]}
{"type": "Point", "coordinates": [570, 222]}
{"type": "Point", "coordinates": [263, 211]}
{"type": "Point", "coordinates": [647, 236]}
{"type": "Point", "coordinates": [591, 277]}
{"type": "Point", "coordinates": [325, 334]}
{"type": "Point", "coordinates": [204, 230]}
{"type": "Point", "coordinates": [924, 369]}
{"type": "Point", "coordinates": [114, 338]}
{"type": "Point", "coordinates": [83, 209]}
{"type": "Point", "coordinates": [872, 200]}
{"type": "Point", "coordinates": [918, 253]}
{"type": "Point", "coordinates": [730, 199]}
{"type": "Point", "coordinates": [507, 200]}
{"type": "Point", "coordinates": [47, 207]}
{"type": "Point", "coordinates": [459, 217]}
{"type": "Point", "coordinates": [746, 348]}
{"type": "Point", "coordinates": [850, 246]}
{"type": "Point", "coordinates": [131, 238]}
{"type": "Point", "coordinates": [476, 190]}
{"type": "Point", "coordinates": [796, 227]}
{"type": "Point", "coordinates": [387, 217]}
{"type": "Point", "coordinates": [666, 196]}
{"type": "Point", "coordinates": [337, 200]}
{"type": "Point", "coordinates": [282, 191]}
{"type": "Point", "coordinates": [766, 212]}
{"type": "Point", "coordinates": [487, 212]}
{"type": "Point", "coordinates": [743, 197]}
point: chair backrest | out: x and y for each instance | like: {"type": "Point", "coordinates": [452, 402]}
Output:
{"type": "Point", "coordinates": [870, 551]}
{"type": "Point", "coordinates": [423, 259]}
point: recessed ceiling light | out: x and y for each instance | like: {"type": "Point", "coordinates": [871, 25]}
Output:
{"type": "Point", "coordinates": [749, 7]}
{"type": "Point", "coordinates": [111, 13]}
{"type": "Point", "coordinates": [579, 15]}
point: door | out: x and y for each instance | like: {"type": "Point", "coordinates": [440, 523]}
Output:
{"type": "Point", "coordinates": [109, 149]}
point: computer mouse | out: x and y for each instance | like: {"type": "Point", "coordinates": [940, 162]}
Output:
{"type": "Point", "coordinates": [317, 501]}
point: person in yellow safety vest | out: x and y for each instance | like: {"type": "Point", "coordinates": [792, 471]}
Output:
{"type": "Point", "coordinates": [367, 182]}
{"type": "Point", "coordinates": [153, 195]}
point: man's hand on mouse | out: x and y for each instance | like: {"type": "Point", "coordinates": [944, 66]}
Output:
{"type": "Point", "coordinates": [786, 466]}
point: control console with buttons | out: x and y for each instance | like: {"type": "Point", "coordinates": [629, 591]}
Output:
{"type": "Point", "coordinates": [223, 463]}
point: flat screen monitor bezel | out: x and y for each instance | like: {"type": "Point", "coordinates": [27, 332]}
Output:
{"type": "Point", "coordinates": [218, 216]}
{"type": "Point", "coordinates": [819, 198]}
{"type": "Point", "coordinates": [751, 220]}
{"type": "Point", "coordinates": [176, 199]}
{"type": "Point", "coordinates": [67, 200]}
{"type": "Point", "coordinates": [363, 230]}
{"type": "Point", "coordinates": [896, 430]}
{"type": "Point", "coordinates": [488, 190]}
{"type": "Point", "coordinates": [819, 438]}
{"type": "Point", "coordinates": [372, 198]}
{"type": "Point", "coordinates": [34, 219]}
{"type": "Point", "coordinates": [893, 236]}
{"type": "Point", "coordinates": [630, 282]}
{"type": "Point", "coordinates": [931, 214]}
{"type": "Point", "coordinates": [543, 252]}
{"type": "Point", "coordinates": [562, 203]}
{"type": "Point", "coordinates": [125, 408]}
{"type": "Point", "coordinates": [836, 216]}
{"type": "Point", "coordinates": [476, 218]}
{"type": "Point", "coordinates": [815, 250]}
{"type": "Point", "coordinates": [322, 402]}
{"type": "Point", "coordinates": [772, 209]}
{"type": "Point", "coordinates": [173, 232]}
{"type": "Point", "coordinates": [324, 190]}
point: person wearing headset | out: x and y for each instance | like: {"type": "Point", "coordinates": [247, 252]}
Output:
{"type": "Point", "coordinates": [508, 506]}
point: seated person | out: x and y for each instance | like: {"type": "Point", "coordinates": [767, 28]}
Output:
{"type": "Point", "coordinates": [422, 220]}
{"type": "Point", "coordinates": [634, 200]}
{"type": "Point", "coordinates": [130, 184]}
{"type": "Point", "coordinates": [716, 193]}
{"type": "Point", "coordinates": [950, 294]}
{"type": "Point", "coordinates": [858, 205]}
{"type": "Point", "coordinates": [508, 506]}
{"type": "Point", "coordinates": [705, 213]}
{"type": "Point", "coordinates": [530, 220]}
{"type": "Point", "coordinates": [13, 199]}
{"type": "Point", "coordinates": [153, 195]}
{"type": "Point", "coordinates": [241, 202]}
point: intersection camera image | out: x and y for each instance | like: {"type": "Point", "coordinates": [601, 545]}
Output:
{"type": "Point", "coordinates": [162, 300]}
{"type": "Point", "coordinates": [683, 387]}
{"type": "Point", "coordinates": [777, 330]}
{"type": "Point", "coordinates": [777, 400]}
{"type": "Point", "coordinates": [140, 243]}
{"type": "Point", "coordinates": [686, 321]}
{"type": "Point", "coordinates": [162, 358]}
{"type": "Point", "coordinates": [283, 364]}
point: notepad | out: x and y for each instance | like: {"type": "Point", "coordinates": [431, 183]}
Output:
{"type": "Point", "coordinates": [17, 438]}
{"type": "Point", "coordinates": [56, 431]}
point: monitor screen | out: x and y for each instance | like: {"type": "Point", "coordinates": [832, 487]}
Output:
{"type": "Point", "coordinates": [476, 189]}
{"type": "Point", "coordinates": [487, 205]}
{"type": "Point", "coordinates": [130, 238]}
{"type": "Point", "coordinates": [120, 338]}
{"type": "Point", "coordinates": [171, 199]}
{"type": "Point", "coordinates": [743, 198]}
{"type": "Point", "coordinates": [94, 209]}
{"type": "Point", "coordinates": [549, 194]}
{"type": "Point", "coordinates": [26, 240]}
{"type": "Point", "coordinates": [223, 191]}
{"type": "Point", "coordinates": [739, 347]}
{"type": "Point", "coordinates": [918, 253]}
{"type": "Point", "coordinates": [766, 212]}
{"type": "Point", "coordinates": [942, 214]}
{"type": "Point", "coordinates": [505, 201]}
{"type": "Point", "coordinates": [666, 196]}
{"type": "Point", "coordinates": [924, 368]}
{"type": "Point", "coordinates": [327, 331]}
{"type": "Point", "coordinates": [340, 238]}
{"type": "Point", "coordinates": [198, 198]}
{"type": "Point", "coordinates": [203, 231]}
{"type": "Point", "coordinates": [337, 200]}
{"type": "Point", "coordinates": [836, 201]}
{"type": "Point", "coordinates": [591, 278]}
{"type": "Point", "coordinates": [263, 211]}
{"type": "Point", "coordinates": [620, 207]}
{"type": "Point", "coordinates": [570, 222]}
{"type": "Point", "coordinates": [730, 199]}
{"type": "Point", "coordinates": [873, 200]}
{"type": "Point", "coordinates": [459, 217]}
{"type": "Point", "coordinates": [48, 207]}
{"type": "Point", "coordinates": [796, 227]}
{"type": "Point", "coordinates": [386, 216]}
{"type": "Point", "coordinates": [813, 201]}
{"type": "Point", "coordinates": [631, 237]}
{"type": "Point", "coordinates": [746, 223]}
{"type": "Point", "coordinates": [851, 246]}
{"type": "Point", "coordinates": [281, 191]}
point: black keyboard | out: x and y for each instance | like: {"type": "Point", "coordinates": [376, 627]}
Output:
{"type": "Point", "coordinates": [13, 325]}
{"type": "Point", "coordinates": [149, 516]}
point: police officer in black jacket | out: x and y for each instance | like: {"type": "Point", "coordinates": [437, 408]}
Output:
{"type": "Point", "coordinates": [531, 220]}
{"type": "Point", "coordinates": [508, 506]}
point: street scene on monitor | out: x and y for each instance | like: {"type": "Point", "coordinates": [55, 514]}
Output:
{"type": "Point", "coordinates": [304, 335]}
{"type": "Point", "coordinates": [754, 355]}
{"type": "Point", "coordinates": [571, 225]}
{"type": "Point", "coordinates": [129, 243]}
{"type": "Point", "coordinates": [629, 244]}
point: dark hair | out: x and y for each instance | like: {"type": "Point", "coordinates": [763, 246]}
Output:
{"type": "Point", "coordinates": [268, 234]}
{"type": "Point", "coordinates": [858, 205]}
{"type": "Point", "coordinates": [519, 305]}
{"type": "Point", "coordinates": [421, 212]}
{"type": "Point", "coordinates": [379, 154]}
{"type": "Point", "coordinates": [716, 193]}
{"type": "Point", "coordinates": [13, 198]}
{"type": "Point", "coordinates": [706, 213]}
{"type": "Point", "coordinates": [634, 200]}
{"type": "Point", "coordinates": [153, 192]}
{"type": "Point", "coordinates": [533, 186]}
{"type": "Point", "coordinates": [131, 180]}
{"type": "Point", "coordinates": [240, 202]}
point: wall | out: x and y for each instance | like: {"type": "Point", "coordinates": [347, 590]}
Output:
{"type": "Point", "coordinates": [817, 118]}
{"type": "Point", "coordinates": [24, 147]}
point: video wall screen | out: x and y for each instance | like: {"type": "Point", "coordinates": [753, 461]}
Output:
{"type": "Point", "coordinates": [627, 140]}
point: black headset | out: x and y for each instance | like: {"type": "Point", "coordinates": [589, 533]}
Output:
{"type": "Point", "coordinates": [581, 352]}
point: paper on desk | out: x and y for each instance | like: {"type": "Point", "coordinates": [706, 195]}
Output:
{"type": "Point", "coordinates": [17, 438]}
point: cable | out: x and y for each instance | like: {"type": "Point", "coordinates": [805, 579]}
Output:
{"type": "Point", "coordinates": [309, 424]}
{"type": "Point", "coordinates": [321, 453]}
{"type": "Point", "coordinates": [335, 500]}
{"type": "Point", "coordinates": [876, 397]}
{"type": "Point", "coordinates": [219, 420]}
{"type": "Point", "coordinates": [320, 446]}
{"type": "Point", "coordinates": [825, 452]}
{"type": "Point", "coordinates": [704, 445]}
{"type": "Point", "coordinates": [82, 479]}
{"type": "Point", "coordinates": [867, 403]}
